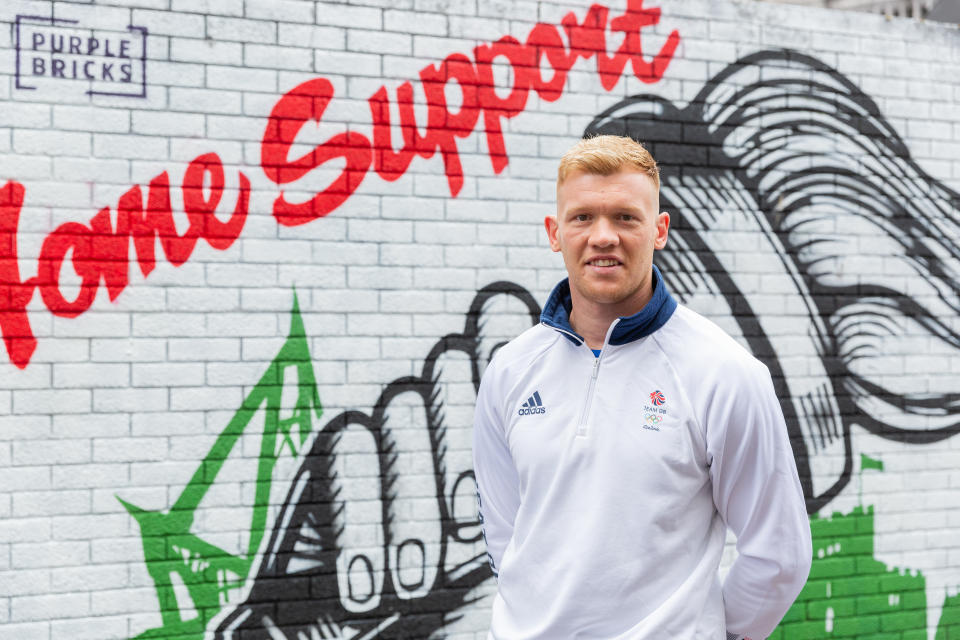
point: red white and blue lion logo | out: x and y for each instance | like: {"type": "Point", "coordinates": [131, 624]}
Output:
{"type": "Point", "coordinates": [657, 398]}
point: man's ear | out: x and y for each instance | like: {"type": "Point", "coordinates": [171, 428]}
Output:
{"type": "Point", "coordinates": [553, 232]}
{"type": "Point", "coordinates": [663, 228]}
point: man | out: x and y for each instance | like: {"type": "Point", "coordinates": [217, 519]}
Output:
{"type": "Point", "coordinates": [616, 441]}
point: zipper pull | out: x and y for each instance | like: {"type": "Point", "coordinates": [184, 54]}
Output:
{"type": "Point", "coordinates": [596, 368]}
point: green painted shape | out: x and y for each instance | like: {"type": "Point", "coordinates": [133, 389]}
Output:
{"type": "Point", "coordinates": [850, 592]}
{"type": "Point", "coordinates": [949, 627]}
{"type": "Point", "coordinates": [206, 571]}
{"type": "Point", "coordinates": [866, 462]}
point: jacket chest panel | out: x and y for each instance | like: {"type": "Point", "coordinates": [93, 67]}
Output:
{"type": "Point", "coordinates": [625, 419]}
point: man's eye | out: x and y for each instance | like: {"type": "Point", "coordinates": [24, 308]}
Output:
{"type": "Point", "coordinates": [626, 217]}
{"type": "Point", "coordinates": [582, 217]}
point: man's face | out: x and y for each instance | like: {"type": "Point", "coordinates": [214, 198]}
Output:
{"type": "Point", "coordinates": [607, 228]}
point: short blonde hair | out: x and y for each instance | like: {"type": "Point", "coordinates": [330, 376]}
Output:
{"type": "Point", "coordinates": [606, 155]}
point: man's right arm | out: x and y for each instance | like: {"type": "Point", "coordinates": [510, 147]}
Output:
{"type": "Point", "coordinates": [498, 487]}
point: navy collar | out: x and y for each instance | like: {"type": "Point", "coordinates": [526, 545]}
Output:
{"type": "Point", "coordinates": [556, 313]}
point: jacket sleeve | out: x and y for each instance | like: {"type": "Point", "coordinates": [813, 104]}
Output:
{"type": "Point", "coordinates": [498, 487]}
{"type": "Point", "coordinates": [758, 494]}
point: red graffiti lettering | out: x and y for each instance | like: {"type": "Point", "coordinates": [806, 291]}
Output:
{"type": "Point", "coordinates": [109, 250]}
{"type": "Point", "coordinates": [219, 235]}
{"type": "Point", "coordinates": [68, 237]}
{"type": "Point", "coordinates": [630, 23]}
{"type": "Point", "coordinates": [303, 103]}
{"type": "Point", "coordinates": [544, 39]}
{"type": "Point", "coordinates": [442, 124]}
{"type": "Point", "coordinates": [477, 95]}
{"type": "Point", "coordinates": [390, 164]}
{"type": "Point", "coordinates": [99, 251]}
{"type": "Point", "coordinates": [14, 295]}
{"type": "Point", "coordinates": [522, 61]}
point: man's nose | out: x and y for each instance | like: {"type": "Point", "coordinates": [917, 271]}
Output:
{"type": "Point", "coordinates": [604, 233]}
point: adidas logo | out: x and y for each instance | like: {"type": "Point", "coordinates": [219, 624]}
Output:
{"type": "Point", "coordinates": [532, 405]}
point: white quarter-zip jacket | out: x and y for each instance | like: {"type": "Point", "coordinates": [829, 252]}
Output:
{"type": "Point", "coordinates": [606, 484]}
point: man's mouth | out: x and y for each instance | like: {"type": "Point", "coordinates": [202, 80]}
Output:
{"type": "Point", "coordinates": [603, 262]}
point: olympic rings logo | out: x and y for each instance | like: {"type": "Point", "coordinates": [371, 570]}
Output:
{"type": "Point", "coordinates": [654, 419]}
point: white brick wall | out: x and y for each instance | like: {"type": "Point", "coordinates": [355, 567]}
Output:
{"type": "Point", "coordinates": [126, 399]}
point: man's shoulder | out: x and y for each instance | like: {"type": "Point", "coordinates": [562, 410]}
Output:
{"type": "Point", "coordinates": [520, 352]}
{"type": "Point", "coordinates": [696, 343]}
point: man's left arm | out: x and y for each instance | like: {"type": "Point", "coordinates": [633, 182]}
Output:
{"type": "Point", "coordinates": [757, 492]}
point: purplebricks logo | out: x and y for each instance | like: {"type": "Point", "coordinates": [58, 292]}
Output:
{"type": "Point", "coordinates": [53, 53]}
{"type": "Point", "coordinates": [657, 398]}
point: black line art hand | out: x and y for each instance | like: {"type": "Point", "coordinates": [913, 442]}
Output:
{"type": "Point", "coordinates": [787, 165]}
{"type": "Point", "coordinates": [379, 535]}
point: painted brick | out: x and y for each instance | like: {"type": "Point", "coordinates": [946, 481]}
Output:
{"type": "Point", "coordinates": [475, 256]}
{"type": "Point", "coordinates": [274, 57]}
{"type": "Point", "coordinates": [127, 349]}
{"type": "Point", "coordinates": [139, 449]}
{"type": "Point", "coordinates": [91, 425]}
{"type": "Point", "coordinates": [168, 324]}
{"type": "Point", "coordinates": [50, 401]}
{"type": "Point", "coordinates": [23, 427]}
{"type": "Point", "coordinates": [89, 476]}
{"type": "Point", "coordinates": [209, 7]}
{"type": "Point", "coordinates": [411, 255]}
{"type": "Point", "coordinates": [159, 123]}
{"type": "Point", "coordinates": [408, 22]}
{"type": "Point", "coordinates": [234, 78]}
{"type": "Point", "coordinates": [27, 116]}
{"type": "Point", "coordinates": [339, 15]}
{"type": "Point", "coordinates": [241, 30]}
{"type": "Point", "coordinates": [167, 375]}
{"type": "Point", "coordinates": [24, 530]}
{"type": "Point", "coordinates": [366, 64]}
{"type": "Point", "coordinates": [311, 36]}
{"type": "Point", "coordinates": [107, 324]}
{"type": "Point", "coordinates": [129, 146]}
{"type": "Point", "coordinates": [235, 324]}
{"type": "Point", "coordinates": [231, 275]}
{"type": "Point", "coordinates": [204, 398]}
{"type": "Point", "coordinates": [379, 42]}
{"type": "Point", "coordinates": [448, 278]}
{"type": "Point", "coordinates": [105, 550]}
{"type": "Point", "coordinates": [34, 141]}
{"type": "Point", "coordinates": [444, 232]}
{"type": "Point", "coordinates": [170, 24]}
{"type": "Point", "coordinates": [27, 167]}
{"type": "Point", "coordinates": [459, 7]}
{"type": "Point", "coordinates": [209, 51]}
{"type": "Point", "coordinates": [38, 452]}
{"type": "Point", "coordinates": [85, 375]}
{"type": "Point", "coordinates": [93, 628]}
{"type": "Point", "coordinates": [204, 100]}
{"type": "Point", "coordinates": [129, 400]}
{"type": "Point", "coordinates": [91, 169]}
{"type": "Point", "coordinates": [234, 128]}
{"type": "Point", "coordinates": [31, 555]}
{"type": "Point", "coordinates": [411, 301]}
{"type": "Point", "coordinates": [282, 10]}
{"type": "Point", "coordinates": [484, 29]}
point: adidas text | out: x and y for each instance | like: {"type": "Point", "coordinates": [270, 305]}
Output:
{"type": "Point", "coordinates": [528, 411]}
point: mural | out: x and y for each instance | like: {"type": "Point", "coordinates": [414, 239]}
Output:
{"type": "Point", "coordinates": [793, 164]}
{"type": "Point", "coordinates": [195, 577]}
{"type": "Point", "coordinates": [787, 160]}
{"type": "Point", "coordinates": [100, 250]}
{"type": "Point", "coordinates": [804, 162]}
{"type": "Point", "coordinates": [345, 558]}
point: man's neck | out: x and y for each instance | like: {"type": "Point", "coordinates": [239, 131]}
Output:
{"type": "Point", "coordinates": [592, 320]}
